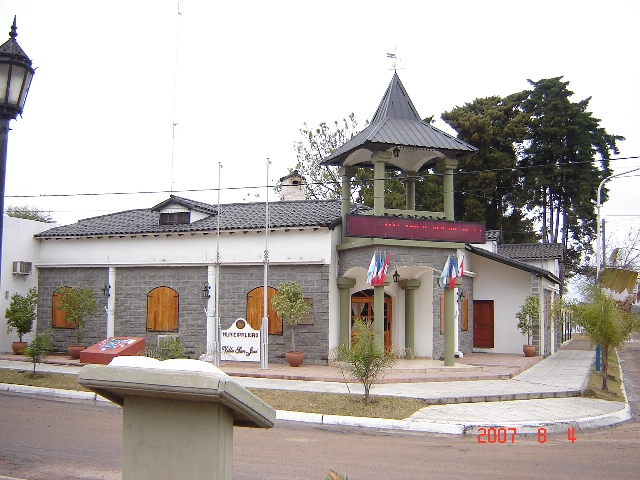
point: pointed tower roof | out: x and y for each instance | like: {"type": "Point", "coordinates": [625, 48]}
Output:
{"type": "Point", "coordinates": [396, 124]}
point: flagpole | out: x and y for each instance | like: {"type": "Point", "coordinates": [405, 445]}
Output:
{"type": "Point", "coordinates": [264, 327]}
{"type": "Point", "coordinates": [217, 343]}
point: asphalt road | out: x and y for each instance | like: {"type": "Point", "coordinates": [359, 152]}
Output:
{"type": "Point", "coordinates": [46, 439]}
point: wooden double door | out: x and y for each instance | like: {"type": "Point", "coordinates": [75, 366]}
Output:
{"type": "Point", "coordinates": [362, 307]}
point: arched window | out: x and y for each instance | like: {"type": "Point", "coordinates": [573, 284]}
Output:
{"type": "Point", "coordinates": [255, 310]}
{"type": "Point", "coordinates": [162, 310]}
{"type": "Point", "coordinates": [58, 317]}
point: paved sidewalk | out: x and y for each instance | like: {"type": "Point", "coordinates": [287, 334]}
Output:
{"type": "Point", "coordinates": [544, 395]}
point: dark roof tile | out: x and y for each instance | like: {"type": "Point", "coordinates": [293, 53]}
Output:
{"type": "Point", "coordinates": [234, 216]}
{"type": "Point", "coordinates": [532, 251]}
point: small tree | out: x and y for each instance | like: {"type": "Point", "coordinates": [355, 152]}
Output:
{"type": "Point", "coordinates": [365, 360]}
{"type": "Point", "coordinates": [22, 312]}
{"type": "Point", "coordinates": [290, 306]}
{"type": "Point", "coordinates": [604, 323]}
{"type": "Point", "coordinates": [528, 316]}
{"type": "Point", "coordinates": [78, 304]}
{"type": "Point", "coordinates": [39, 347]}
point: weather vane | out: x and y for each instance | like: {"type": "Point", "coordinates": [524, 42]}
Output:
{"type": "Point", "coordinates": [394, 57]}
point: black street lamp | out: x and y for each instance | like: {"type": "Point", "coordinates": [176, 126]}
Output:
{"type": "Point", "coordinates": [16, 73]}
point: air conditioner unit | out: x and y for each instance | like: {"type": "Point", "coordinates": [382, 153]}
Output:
{"type": "Point", "coordinates": [22, 268]}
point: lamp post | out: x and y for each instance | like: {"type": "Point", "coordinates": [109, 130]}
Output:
{"type": "Point", "coordinates": [599, 242]}
{"type": "Point", "coordinates": [15, 78]}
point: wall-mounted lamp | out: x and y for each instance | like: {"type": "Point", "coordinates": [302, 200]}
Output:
{"type": "Point", "coordinates": [206, 291]}
{"type": "Point", "coordinates": [106, 290]}
{"type": "Point", "coordinates": [396, 152]}
{"type": "Point", "coordinates": [396, 276]}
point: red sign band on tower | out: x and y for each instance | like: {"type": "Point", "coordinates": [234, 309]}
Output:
{"type": "Point", "coordinates": [414, 229]}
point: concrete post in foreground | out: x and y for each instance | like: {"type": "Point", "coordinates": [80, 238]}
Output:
{"type": "Point", "coordinates": [178, 415]}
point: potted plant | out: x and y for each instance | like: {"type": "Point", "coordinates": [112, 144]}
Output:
{"type": "Point", "coordinates": [528, 318]}
{"type": "Point", "coordinates": [78, 304]}
{"type": "Point", "coordinates": [20, 316]}
{"type": "Point", "coordinates": [291, 307]}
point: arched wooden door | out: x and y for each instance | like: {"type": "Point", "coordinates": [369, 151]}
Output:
{"type": "Point", "coordinates": [58, 317]}
{"type": "Point", "coordinates": [362, 307]}
{"type": "Point", "coordinates": [162, 310]}
{"type": "Point", "coordinates": [255, 310]}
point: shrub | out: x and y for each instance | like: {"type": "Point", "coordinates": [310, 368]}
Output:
{"type": "Point", "coordinates": [365, 360]}
{"type": "Point", "coordinates": [39, 347]}
{"type": "Point", "coordinates": [167, 348]}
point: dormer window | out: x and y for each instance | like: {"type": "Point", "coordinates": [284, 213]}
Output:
{"type": "Point", "coordinates": [175, 218]}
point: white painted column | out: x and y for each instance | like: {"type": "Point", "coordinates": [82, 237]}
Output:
{"type": "Point", "coordinates": [541, 315]}
{"type": "Point", "coordinates": [212, 335]}
{"type": "Point", "coordinates": [456, 336]}
{"type": "Point", "coordinates": [111, 303]}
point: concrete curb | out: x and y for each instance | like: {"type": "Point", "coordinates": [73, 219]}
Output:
{"type": "Point", "coordinates": [51, 392]}
{"type": "Point", "coordinates": [453, 428]}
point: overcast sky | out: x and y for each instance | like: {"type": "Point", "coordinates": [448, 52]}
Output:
{"type": "Point", "coordinates": [130, 96]}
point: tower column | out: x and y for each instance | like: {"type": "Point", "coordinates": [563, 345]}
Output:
{"type": "Point", "coordinates": [345, 285]}
{"type": "Point", "coordinates": [411, 191]}
{"type": "Point", "coordinates": [379, 161]}
{"type": "Point", "coordinates": [446, 166]}
{"type": "Point", "coordinates": [409, 287]}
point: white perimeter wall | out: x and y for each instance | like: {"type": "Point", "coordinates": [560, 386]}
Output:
{"type": "Point", "coordinates": [507, 287]}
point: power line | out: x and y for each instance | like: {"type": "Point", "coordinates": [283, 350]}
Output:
{"type": "Point", "coordinates": [254, 187]}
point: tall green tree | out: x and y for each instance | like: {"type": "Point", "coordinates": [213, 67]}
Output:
{"type": "Point", "coordinates": [565, 157]}
{"type": "Point", "coordinates": [487, 181]}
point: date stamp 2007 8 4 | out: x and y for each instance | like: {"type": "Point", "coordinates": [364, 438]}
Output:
{"type": "Point", "coordinates": [508, 435]}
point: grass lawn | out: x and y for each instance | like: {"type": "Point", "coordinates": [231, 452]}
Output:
{"type": "Point", "coordinates": [325, 403]}
{"type": "Point", "coordinates": [614, 382]}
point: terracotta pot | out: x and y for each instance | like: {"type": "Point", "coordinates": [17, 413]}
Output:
{"type": "Point", "coordinates": [74, 350]}
{"type": "Point", "coordinates": [18, 347]}
{"type": "Point", "coordinates": [294, 358]}
{"type": "Point", "coordinates": [529, 350]}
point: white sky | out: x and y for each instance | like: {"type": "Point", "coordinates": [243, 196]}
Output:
{"type": "Point", "coordinates": [99, 115]}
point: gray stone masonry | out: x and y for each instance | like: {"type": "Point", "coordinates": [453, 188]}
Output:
{"type": "Point", "coordinates": [134, 283]}
{"type": "Point", "coordinates": [49, 280]}
{"type": "Point", "coordinates": [132, 287]}
{"type": "Point", "coordinates": [313, 340]}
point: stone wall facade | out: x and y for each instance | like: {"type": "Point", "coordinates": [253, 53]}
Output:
{"type": "Point", "coordinates": [134, 283]}
{"type": "Point", "coordinates": [49, 280]}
